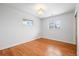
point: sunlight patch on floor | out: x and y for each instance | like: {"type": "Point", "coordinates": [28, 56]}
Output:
{"type": "Point", "coordinates": [53, 51]}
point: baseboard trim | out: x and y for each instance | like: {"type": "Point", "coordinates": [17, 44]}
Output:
{"type": "Point", "coordinates": [59, 41]}
{"type": "Point", "coordinates": [32, 40]}
{"type": "Point", "coordinates": [19, 43]}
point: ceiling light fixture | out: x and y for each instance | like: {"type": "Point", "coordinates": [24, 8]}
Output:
{"type": "Point", "coordinates": [40, 9]}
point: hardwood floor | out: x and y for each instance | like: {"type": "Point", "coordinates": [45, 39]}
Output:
{"type": "Point", "coordinates": [41, 47]}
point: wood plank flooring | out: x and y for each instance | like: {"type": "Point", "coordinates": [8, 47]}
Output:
{"type": "Point", "coordinates": [41, 47]}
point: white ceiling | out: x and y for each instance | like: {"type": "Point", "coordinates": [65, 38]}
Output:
{"type": "Point", "coordinates": [51, 9]}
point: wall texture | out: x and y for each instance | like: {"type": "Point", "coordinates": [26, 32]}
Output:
{"type": "Point", "coordinates": [66, 33]}
{"type": "Point", "coordinates": [12, 31]}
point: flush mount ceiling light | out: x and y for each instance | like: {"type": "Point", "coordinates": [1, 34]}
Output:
{"type": "Point", "coordinates": [40, 9]}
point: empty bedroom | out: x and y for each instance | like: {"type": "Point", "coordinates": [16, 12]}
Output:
{"type": "Point", "coordinates": [38, 29]}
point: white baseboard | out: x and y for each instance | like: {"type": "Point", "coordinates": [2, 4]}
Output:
{"type": "Point", "coordinates": [13, 45]}
{"type": "Point", "coordinates": [29, 41]}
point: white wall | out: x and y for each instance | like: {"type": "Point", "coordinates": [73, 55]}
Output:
{"type": "Point", "coordinates": [66, 33]}
{"type": "Point", "coordinates": [12, 31]}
